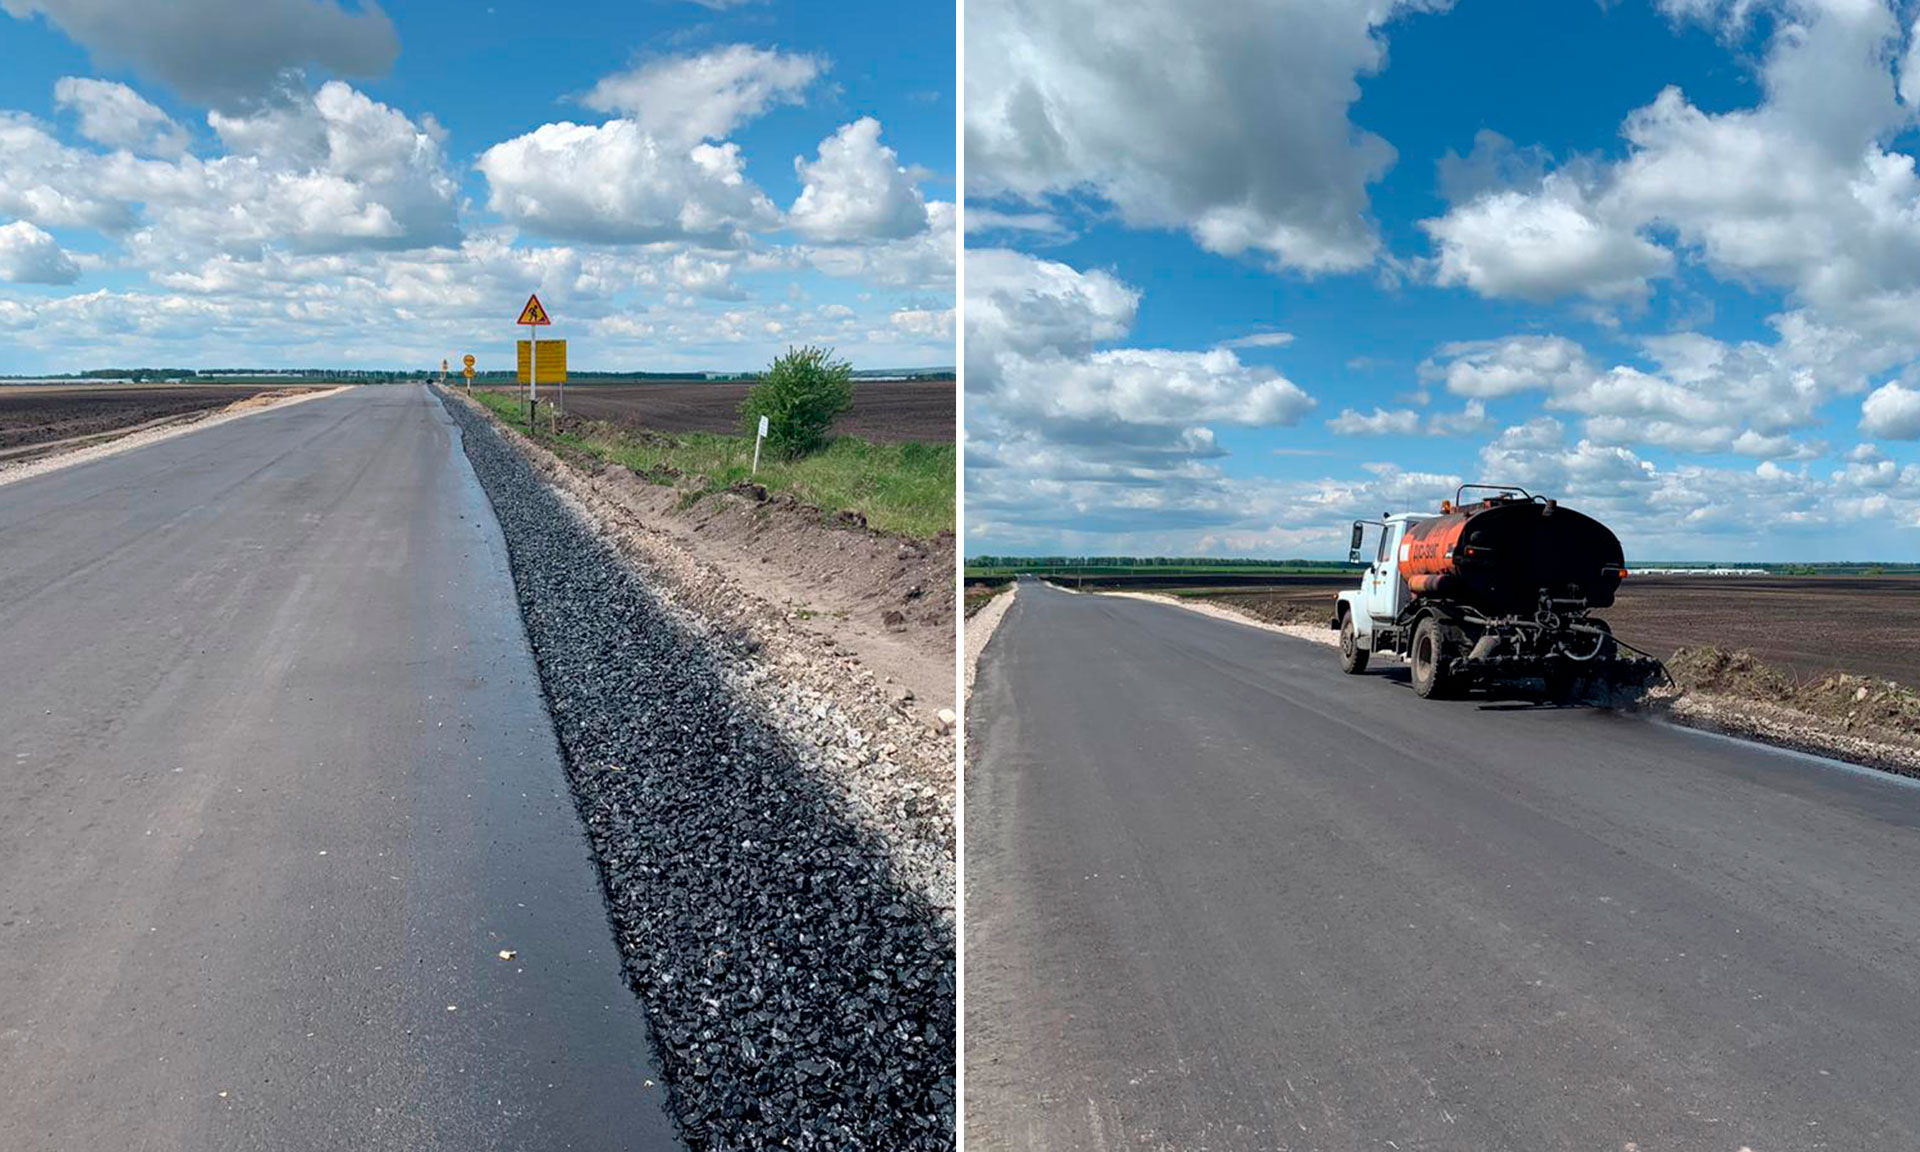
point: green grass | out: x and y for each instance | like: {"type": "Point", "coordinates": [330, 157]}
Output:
{"type": "Point", "coordinates": [902, 488]}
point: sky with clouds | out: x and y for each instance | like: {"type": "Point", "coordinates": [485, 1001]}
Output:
{"type": "Point", "coordinates": [269, 183]}
{"type": "Point", "coordinates": [1239, 273]}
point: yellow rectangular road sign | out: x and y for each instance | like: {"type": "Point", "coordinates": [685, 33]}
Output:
{"type": "Point", "coordinates": [553, 361]}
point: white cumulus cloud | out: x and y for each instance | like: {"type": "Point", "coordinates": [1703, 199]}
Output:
{"type": "Point", "coordinates": [856, 190]}
{"type": "Point", "coordinates": [118, 117]}
{"type": "Point", "coordinates": [614, 183]}
{"type": "Point", "coordinates": [1228, 120]}
{"type": "Point", "coordinates": [1892, 412]}
{"type": "Point", "coordinates": [222, 52]}
{"type": "Point", "coordinates": [705, 96]}
{"type": "Point", "coordinates": [30, 255]}
{"type": "Point", "coordinates": [661, 170]}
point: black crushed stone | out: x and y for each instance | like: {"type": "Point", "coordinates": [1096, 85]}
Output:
{"type": "Point", "coordinates": [800, 996]}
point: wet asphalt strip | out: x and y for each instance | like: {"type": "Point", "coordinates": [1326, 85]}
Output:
{"type": "Point", "coordinates": [800, 995]}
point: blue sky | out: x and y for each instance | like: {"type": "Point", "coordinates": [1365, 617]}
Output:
{"type": "Point", "coordinates": [300, 182]}
{"type": "Point", "coordinates": [1236, 278]}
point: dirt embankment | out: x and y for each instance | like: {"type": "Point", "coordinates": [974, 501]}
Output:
{"type": "Point", "coordinates": [1861, 719]}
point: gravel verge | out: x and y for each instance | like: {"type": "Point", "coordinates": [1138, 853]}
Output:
{"type": "Point", "coordinates": [771, 893]}
{"type": "Point", "coordinates": [980, 627]}
{"type": "Point", "coordinates": [1307, 632]}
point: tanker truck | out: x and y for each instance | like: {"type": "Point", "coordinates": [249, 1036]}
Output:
{"type": "Point", "coordinates": [1500, 589]}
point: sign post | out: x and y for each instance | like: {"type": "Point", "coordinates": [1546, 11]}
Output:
{"type": "Point", "coordinates": [535, 318]}
{"type": "Point", "coordinates": [466, 363]}
{"type": "Point", "coordinates": [756, 446]}
{"type": "Point", "coordinates": [443, 373]}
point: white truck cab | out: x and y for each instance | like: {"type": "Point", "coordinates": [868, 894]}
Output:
{"type": "Point", "coordinates": [1382, 594]}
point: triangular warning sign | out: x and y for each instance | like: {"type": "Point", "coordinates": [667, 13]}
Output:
{"type": "Point", "coordinates": [533, 313]}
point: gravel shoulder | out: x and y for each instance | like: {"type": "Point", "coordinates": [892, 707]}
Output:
{"type": "Point", "coordinates": [980, 627]}
{"type": "Point", "coordinates": [774, 832]}
{"type": "Point", "coordinates": [1307, 632]}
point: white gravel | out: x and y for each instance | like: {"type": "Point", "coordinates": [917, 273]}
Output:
{"type": "Point", "coordinates": [1307, 632]}
{"type": "Point", "coordinates": [980, 627]}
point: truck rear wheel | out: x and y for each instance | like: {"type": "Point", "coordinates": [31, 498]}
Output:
{"type": "Point", "coordinates": [1353, 658]}
{"type": "Point", "coordinates": [1432, 654]}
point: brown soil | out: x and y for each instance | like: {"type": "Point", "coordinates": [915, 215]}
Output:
{"type": "Point", "coordinates": [883, 410]}
{"type": "Point", "coordinates": [36, 414]}
{"type": "Point", "coordinates": [1784, 660]}
{"type": "Point", "coordinates": [1809, 626]}
{"type": "Point", "coordinates": [887, 601]}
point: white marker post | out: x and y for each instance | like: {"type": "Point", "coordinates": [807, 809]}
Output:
{"type": "Point", "coordinates": [756, 446]}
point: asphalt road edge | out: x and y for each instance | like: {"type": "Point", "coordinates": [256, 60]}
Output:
{"type": "Point", "coordinates": [979, 628]}
{"type": "Point", "coordinates": [1752, 721]}
{"type": "Point", "coordinates": [142, 435]}
{"type": "Point", "coordinates": [800, 988]}
{"type": "Point", "coordinates": [891, 755]}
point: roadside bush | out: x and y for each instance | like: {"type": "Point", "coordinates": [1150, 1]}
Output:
{"type": "Point", "coordinates": [800, 396]}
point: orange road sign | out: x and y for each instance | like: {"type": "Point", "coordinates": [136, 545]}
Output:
{"type": "Point", "coordinates": [533, 313]}
{"type": "Point", "coordinates": [467, 359]}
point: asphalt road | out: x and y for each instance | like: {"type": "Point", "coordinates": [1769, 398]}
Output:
{"type": "Point", "coordinates": [276, 788]}
{"type": "Point", "coordinates": [1220, 896]}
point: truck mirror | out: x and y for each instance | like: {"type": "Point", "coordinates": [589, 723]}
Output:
{"type": "Point", "coordinates": [1353, 549]}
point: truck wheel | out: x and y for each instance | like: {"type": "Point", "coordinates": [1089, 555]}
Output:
{"type": "Point", "coordinates": [1353, 658]}
{"type": "Point", "coordinates": [1432, 652]}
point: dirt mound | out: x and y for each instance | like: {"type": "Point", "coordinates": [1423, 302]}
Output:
{"type": "Point", "coordinates": [1862, 719]}
{"type": "Point", "coordinates": [1855, 702]}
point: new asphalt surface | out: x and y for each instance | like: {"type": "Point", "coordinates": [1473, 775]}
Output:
{"type": "Point", "coordinates": [1220, 896]}
{"type": "Point", "coordinates": [277, 789]}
